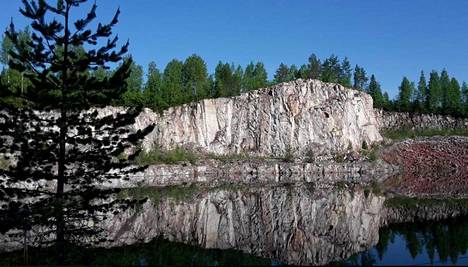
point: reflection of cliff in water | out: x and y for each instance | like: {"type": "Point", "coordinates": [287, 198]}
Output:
{"type": "Point", "coordinates": [294, 223]}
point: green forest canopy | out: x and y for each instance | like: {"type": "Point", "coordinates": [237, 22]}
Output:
{"type": "Point", "coordinates": [186, 81]}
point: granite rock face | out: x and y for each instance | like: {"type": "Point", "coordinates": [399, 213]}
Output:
{"type": "Point", "coordinates": [297, 224]}
{"type": "Point", "coordinates": [294, 117]}
{"type": "Point", "coordinates": [395, 120]}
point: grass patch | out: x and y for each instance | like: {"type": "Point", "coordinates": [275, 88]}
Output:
{"type": "Point", "coordinates": [371, 154]}
{"type": "Point", "coordinates": [404, 133]}
{"type": "Point", "coordinates": [158, 156]}
{"type": "Point", "coordinates": [233, 157]}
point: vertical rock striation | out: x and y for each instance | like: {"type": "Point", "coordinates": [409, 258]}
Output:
{"type": "Point", "coordinates": [297, 224]}
{"type": "Point", "coordinates": [292, 117]}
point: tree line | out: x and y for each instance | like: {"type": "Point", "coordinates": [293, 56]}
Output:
{"type": "Point", "coordinates": [185, 81]}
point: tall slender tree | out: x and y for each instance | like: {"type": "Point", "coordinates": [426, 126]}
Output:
{"type": "Point", "coordinates": [70, 144]}
{"type": "Point", "coordinates": [360, 78]}
{"type": "Point", "coordinates": [345, 73]}
{"type": "Point", "coordinates": [434, 92]}
{"type": "Point", "coordinates": [421, 98]}
{"type": "Point", "coordinates": [282, 74]}
{"type": "Point", "coordinates": [445, 90]}
{"type": "Point", "coordinates": [195, 78]}
{"type": "Point", "coordinates": [404, 96]}
{"type": "Point", "coordinates": [315, 67]}
{"type": "Point", "coordinates": [151, 93]}
{"type": "Point", "coordinates": [331, 69]}
{"type": "Point", "coordinates": [376, 92]}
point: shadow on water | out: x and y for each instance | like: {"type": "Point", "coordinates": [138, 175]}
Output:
{"type": "Point", "coordinates": [158, 252]}
{"type": "Point", "coordinates": [423, 243]}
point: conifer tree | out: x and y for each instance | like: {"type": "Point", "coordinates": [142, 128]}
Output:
{"type": "Point", "coordinates": [454, 98]}
{"type": "Point", "coordinates": [172, 89]}
{"type": "Point", "coordinates": [331, 69]}
{"type": "Point", "coordinates": [315, 67]}
{"type": "Point", "coordinates": [360, 78]}
{"type": "Point", "coordinates": [421, 99]}
{"type": "Point", "coordinates": [195, 78]}
{"type": "Point", "coordinates": [345, 73]}
{"type": "Point", "coordinates": [376, 92]}
{"type": "Point", "coordinates": [64, 140]}
{"type": "Point", "coordinates": [151, 93]}
{"type": "Point", "coordinates": [404, 96]}
{"type": "Point", "coordinates": [445, 90]}
{"type": "Point", "coordinates": [434, 92]}
{"type": "Point", "coordinates": [282, 74]}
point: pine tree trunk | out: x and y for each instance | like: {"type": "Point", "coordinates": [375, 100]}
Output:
{"type": "Point", "coordinates": [60, 231]}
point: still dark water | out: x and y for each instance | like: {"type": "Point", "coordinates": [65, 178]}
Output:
{"type": "Point", "coordinates": [428, 243]}
{"type": "Point", "coordinates": [296, 224]}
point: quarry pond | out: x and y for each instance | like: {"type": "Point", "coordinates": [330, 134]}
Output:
{"type": "Point", "coordinates": [291, 223]}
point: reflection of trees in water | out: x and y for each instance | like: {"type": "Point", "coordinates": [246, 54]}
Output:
{"type": "Point", "coordinates": [448, 238]}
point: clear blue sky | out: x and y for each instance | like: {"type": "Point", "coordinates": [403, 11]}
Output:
{"type": "Point", "coordinates": [389, 38]}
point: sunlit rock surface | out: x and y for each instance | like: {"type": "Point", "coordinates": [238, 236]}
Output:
{"type": "Point", "coordinates": [296, 117]}
{"type": "Point", "coordinates": [296, 224]}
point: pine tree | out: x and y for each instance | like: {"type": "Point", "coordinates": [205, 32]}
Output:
{"type": "Point", "coordinates": [75, 148]}
{"type": "Point", "coordinates": [248, 80]}
{"type": "Point", "coordinates": [15, 80]}
{"type": "Point", "coordinates": [260, 76]}
{"type": "Point", "coordinates": [282, 74]}
{"type": "Point", "coordinates": [331, 69]}
{"type": "Point", "coordinates": [133, 97]}
{"type": "Point", "coordinates": [360, 78]}
{"type": "Point", "coordinates": [404, 95]}
{"type": "Point", "coordinates": [434, 92]}
{"type": "Point", "coordinates": [304, 72]}
{"type": "Point", "coordinates": [293, 73]}
{"type": "Point", "coordinates": [172, 91]}
{"type": "Point", "coordinates": [465, 98]}
{"type": "Point", "coordinates": [421, 100]}
{"type": "Point", "coordinates": [375, 91]}
{"type": "Point", "coordinates": [345, 73]}
{"type": "Point", "coordinates": [151, 93]}
{"type": "Point", "coordinates": [454, 98]}
{"type": "Point", "coordinates": [315, 67]}
{"type": "Point", "coordinates": [445, 90]}
{"type": "Point", "coordinates": [195, 78]}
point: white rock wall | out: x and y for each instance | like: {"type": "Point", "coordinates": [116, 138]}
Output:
{"type": "Point", "coordinates": [298, 116]}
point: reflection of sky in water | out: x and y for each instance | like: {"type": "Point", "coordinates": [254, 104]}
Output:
{"type": "Point", "coordinates": [397, 253]}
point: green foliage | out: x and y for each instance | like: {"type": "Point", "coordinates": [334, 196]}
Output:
{"type": "Point", "coordinates": [282, 74]}
{"type": "Point", "coordinates": [360, 78]}
{"type": "Point", "coordinates": [227, 82]}
{"type": "Point", "coordinates": [434, 92]}
{"type": "Point", "coordinates": [195, 78]}
{"type": "Point", "coordinates": [345, 73]}
{"type": "Point", "coordinates": [376, 93]}
{"type": "Point", "coordinates": [331, 70]}
{"type": "Point", "coordinates": [404, 96]}
{"type": "Point", "coordinates": [404, 133]}
{"type": "Point", "coordinates": [315, 68]}
{"type": "Point", "coordinates": [173, 156]}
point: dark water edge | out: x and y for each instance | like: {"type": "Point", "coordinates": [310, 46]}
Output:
{"type": "Point", "coordinates": [158, 252]}
{"type": "Point", "coordinates": [420, 243]}
{"type": "Point", "coordinates": [423, 243]}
